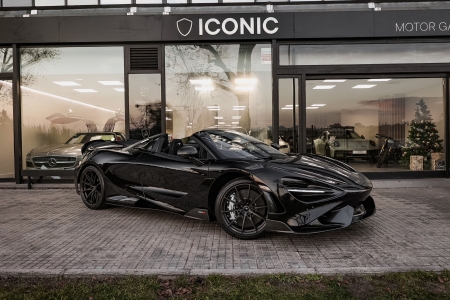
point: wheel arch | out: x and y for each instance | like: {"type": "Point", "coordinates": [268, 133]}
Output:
{"type": "Point", "coordinates": [217, 185]}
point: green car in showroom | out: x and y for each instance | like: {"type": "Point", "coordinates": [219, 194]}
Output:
{"type": "Point", "coordinates": [342, 142]}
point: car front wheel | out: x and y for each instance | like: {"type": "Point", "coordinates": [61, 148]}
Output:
{"type": "Point", "coordinates": [241, 209]}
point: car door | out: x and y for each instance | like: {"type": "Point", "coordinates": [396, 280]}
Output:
{"type": "Point", "coordinates": [172, 182]}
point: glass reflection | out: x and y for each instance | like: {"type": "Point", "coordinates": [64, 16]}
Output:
{"type": "Point", "coordinates": [381, 124]}
{"type": "Point", "coordinates": [219, 86]}
{"type": "Point", "coordinates": [6, 60]}
{"type": "Point", "coordinates": [6, 130]}
{"type": "Point", "coordinates": [66, 91]}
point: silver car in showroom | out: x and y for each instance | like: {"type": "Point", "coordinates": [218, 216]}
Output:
{"type": "Point", "coordinates": [67, 155]}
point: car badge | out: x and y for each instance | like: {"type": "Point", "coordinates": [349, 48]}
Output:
{"type": "Point", "coordinates": [52, 162]}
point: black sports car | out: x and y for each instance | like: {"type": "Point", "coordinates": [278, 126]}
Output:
{"type": "Point", "coordinates": [244, 184]}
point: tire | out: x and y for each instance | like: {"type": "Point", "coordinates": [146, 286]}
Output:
{"type": "Point", "coordinates": [241, 209]}
{"type": "Point", "coordinates": [92, 188]}
{"type": "Point", "coordinates": [382, 158]}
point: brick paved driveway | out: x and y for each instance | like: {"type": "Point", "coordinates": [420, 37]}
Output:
{"type": "Point", "coordinates": [52, 232]}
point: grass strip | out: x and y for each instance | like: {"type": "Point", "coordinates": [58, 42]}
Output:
{"type": "Point", "coordinates": [407, 285]}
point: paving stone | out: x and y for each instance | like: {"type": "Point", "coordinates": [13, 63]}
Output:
{"type": "Point", "coordinates": [50, 231]}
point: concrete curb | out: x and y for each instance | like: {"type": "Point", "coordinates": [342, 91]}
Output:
{"type": "Point", "coordinates": [206, 272]}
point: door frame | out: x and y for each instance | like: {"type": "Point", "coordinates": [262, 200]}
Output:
{"type": "Point", "coordinates": [10, 77]}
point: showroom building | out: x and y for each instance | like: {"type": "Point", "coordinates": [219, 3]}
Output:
{"type": "Point", "coordinates": [324, 77]}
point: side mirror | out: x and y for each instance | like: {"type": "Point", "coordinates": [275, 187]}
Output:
{"type": "Point", "coordinates": [187, 151]}
{"type": "Point", "coordinates": [363, 137]}
{"type": "Point", "coordinates": [275, 146]}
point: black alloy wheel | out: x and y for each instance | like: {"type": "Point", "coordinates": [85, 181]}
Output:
{"type": "Point", "coordinates": [241, 209]}
{"type": "Point", "coordinates": [92, 188]}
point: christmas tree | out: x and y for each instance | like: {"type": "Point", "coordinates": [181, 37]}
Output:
{"type": "Point", "coordinates": [423, 138]}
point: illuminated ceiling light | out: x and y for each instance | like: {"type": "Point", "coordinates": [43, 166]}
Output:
{"type": "Point", "coordinates": [245, 80]}
{"type": "Point", "coordinates": [236, 127]}
{"type": "Point", "coordinates": [66, 83]}
{"type": "Point", "coordinates": [168, 109]}
{"type": "Point", "coordinates": [221, 123]}
{"type": "Point", "coordinates": [201, 81]}
{"type": "Point", "coordinates": [218, 118]}
{"type": "Point", "coordinates": [318, 105]}
{"type": "Point", "coordinates": [213, 106]}
{"type": "Point", "coordinates": [58, 97]}
{"type": "Point", "coordinates": [188, 126]}
{"type": "Point", "coordinates": [287, 107]}
{"type": "Point", "coordinates": [364, 86]}
{"type": "Point", "coordinates": [236, 117]}
{"type": "Point", "coordinates": [312, 107]}
{"type": "Point", "coordinates": [234, 122]}
{"type": "Point", "coordinates": [323, 87]}
{"type": "Point", "coordinates": [335, 80]}
{"type": "Point", "coordinates": [79, 79]}
{"type": "Point", "coordinates": [85, 90]}
{"type": "Point", "coordinates": [239, 106]}
{"type": "Point", "coordinates": [119, 89]}
{"type": "Point", "coordinates": [380, 79]}
{"type": "Point", "coordinates": [204, 88]}
{"type": "Point", "coordinates": [110, 82]}
{"type": "Point", "coordinates": [244, 88]}
{"type": "Point", "coordinates": [168, 119]}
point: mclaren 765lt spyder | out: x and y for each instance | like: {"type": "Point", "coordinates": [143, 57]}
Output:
{"type": "Point", "coordinates": [247, 186]}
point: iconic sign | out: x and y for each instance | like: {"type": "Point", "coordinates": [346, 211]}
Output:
{"type": "Point", "coordinates": [230, 26]}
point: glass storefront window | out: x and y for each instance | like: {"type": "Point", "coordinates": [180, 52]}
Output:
{"type": "Point", "coordinates": [12, 3]}
{"type": "Point", "coordinates": [356, 54]}
{"type": "Point", "coordinates": [145, 105]}
{"type": "Point", "coordinates": [219, 86]}
{"type": "Point", "coordinates": [49, 2]}
{"type": "Point", "coordinates": [6, 60]}
{"type": "Point", "coordinates": [68, 91]}
{"type": "Point", "coordinates": [381, 124]}
{"type": "Point", "coordinates": [6, 130]}
{"type": "Point", "coordinates": [289, 115]}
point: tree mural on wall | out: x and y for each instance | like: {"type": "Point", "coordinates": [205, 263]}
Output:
{"type": "Point", "coordinates": [189, 60]}
{"type": "Point", "coordinates": [28, 57]}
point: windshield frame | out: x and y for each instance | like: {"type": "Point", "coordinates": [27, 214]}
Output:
{"type": "Point", "coordinates": [205, 138]}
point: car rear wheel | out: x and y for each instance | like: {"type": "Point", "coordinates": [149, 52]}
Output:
{"type": "Point", "coordinates": [241, 209]}
{"type": "Point", "coordinates": [92, 188]}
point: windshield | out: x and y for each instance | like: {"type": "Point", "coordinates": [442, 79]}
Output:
{"type": "Point", "coordinates": [237, 146]}
{"type": "Point", "coordinates": [84, 138]}
{"type": "Point", "coordinates": [344, 134]}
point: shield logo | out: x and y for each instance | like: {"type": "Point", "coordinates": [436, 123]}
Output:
{"type": "Point", "coordinates": [184, 26]}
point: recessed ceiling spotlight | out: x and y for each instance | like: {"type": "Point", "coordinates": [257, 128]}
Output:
{"type": "Point", "coordinates": [312, 107]}
{"type": "Point", "coordinates": [364, 86]}
{"type": "Point", "coordinates": [335, 80]}
{"type": "Point", "coordinates": [66, 83]}
{"type": "Point", "coordinates": [319, 105]}
{"type": "Point", "coordinates": [204, 88]}
{"type": "Point", "coordinates": [323, 87]}
{"type": "Point", "coordinates": [110, 82]}
{"type": "Point", "coordinates": [380, 79]}
{"type": "Point", "coordinates": [85, 90]}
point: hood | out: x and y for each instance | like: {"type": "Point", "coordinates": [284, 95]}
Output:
{"type": "Point", "coordinates": [322, 167]}
{"type": "Point", "coordinates": [61, 149]}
